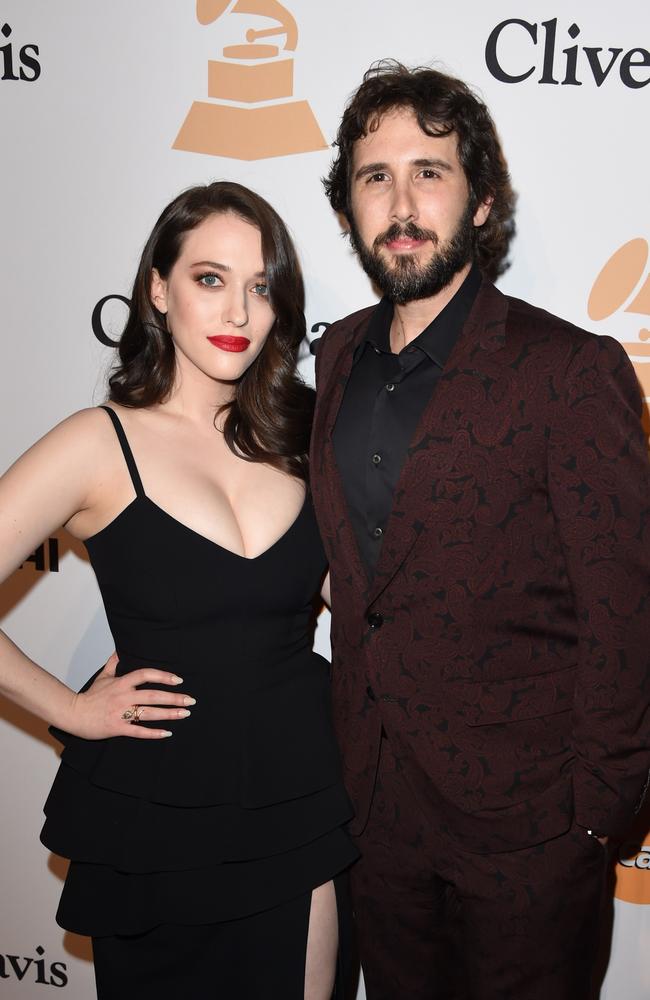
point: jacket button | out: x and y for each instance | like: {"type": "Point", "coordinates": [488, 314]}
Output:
{"type": "Point", "coordinates": [371, 694]}
{"type": "Point", "coordinates": [375, 619]}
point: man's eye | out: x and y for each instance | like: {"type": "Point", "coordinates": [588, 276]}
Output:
{"type": "Point", "coordinates": [430, 174]}
{"type": "Point", "coordinates": [209, 280]}
{"type": "Point", "coordinates": [380, 176]}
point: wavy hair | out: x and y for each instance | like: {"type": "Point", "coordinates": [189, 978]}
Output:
{"type": "Point", "coordinates": [441, 105]}
{"type": "Point", "coordinates": [269, 418]}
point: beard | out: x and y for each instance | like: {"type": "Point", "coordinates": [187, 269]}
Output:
{"type": "Point", "coordinates": [404, 279]}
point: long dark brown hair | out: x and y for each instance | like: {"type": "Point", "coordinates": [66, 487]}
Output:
{"type": "Point", "coordinates": [269, 418]}
{"type": "Point", "coordinates": [442, 105]}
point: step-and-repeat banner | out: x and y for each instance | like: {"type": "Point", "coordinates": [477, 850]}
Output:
{"type": "Point", "coordinates": [108, 110]}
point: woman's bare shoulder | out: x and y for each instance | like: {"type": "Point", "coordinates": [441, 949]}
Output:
{"type": "Point", "coordinates": [86, 426]}
{"type": "Point", "coordinates": [77, 438]}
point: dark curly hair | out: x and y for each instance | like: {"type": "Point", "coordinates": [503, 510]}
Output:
{"type": "Point", "coordinates": [442, 105]}
{"type": "Point", "coordinates": [269, 418]}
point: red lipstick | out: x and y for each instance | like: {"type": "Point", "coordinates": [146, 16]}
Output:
{"type": "Point", "coordinates": [234, 344]}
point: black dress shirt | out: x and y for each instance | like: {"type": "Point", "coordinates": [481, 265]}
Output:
{"type": "Point", "coordinates": [384, 399]}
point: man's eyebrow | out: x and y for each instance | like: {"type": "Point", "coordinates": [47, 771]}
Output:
{"type": "Point", "coordinates": [425, 161]}
{"type": "Point", "coordinates": [432, 162]}
{"type": "Point", "coordinates": [370, 168]}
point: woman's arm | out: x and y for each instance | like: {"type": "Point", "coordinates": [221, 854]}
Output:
{"type": "Point", "coordinates": [58, 478]}
{"type": "Point", "coordinates": [325, 591]}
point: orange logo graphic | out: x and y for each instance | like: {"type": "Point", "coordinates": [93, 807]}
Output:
{"type": "Point", "coordinates": [251, 74]}
{"type": "Point", "coordinates": [633, 874]}
{"type": "Point", "coordinates": [621, 285]}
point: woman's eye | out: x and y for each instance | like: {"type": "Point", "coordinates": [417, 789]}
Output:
{"type": "Point", "coordinates": [209, 280]}
{"type": "Point", "coordinates": [261, 289]}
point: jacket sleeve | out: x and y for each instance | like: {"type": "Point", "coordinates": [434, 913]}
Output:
{"type": "Point", "coordinates": [599, 481]}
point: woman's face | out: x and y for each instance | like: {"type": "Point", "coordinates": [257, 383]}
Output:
{"type": "Point", "coordinates": [216, 299]}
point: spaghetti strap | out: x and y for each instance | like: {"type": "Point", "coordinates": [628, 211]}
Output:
{"type": "Point", "coordinates": [126, 450]}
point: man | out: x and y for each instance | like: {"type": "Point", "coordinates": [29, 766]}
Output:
{"type": "Point", "coordinates": [482, 483]}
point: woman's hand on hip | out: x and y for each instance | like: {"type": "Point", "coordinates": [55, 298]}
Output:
{"type": "Point", "coordinates": [112, 704]}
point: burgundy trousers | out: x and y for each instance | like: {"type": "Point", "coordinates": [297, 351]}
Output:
{"type": "Point", "coordinates": [435, 922]}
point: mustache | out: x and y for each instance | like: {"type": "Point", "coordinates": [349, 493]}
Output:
{"type": "Point", "coordinates": [408, 231]}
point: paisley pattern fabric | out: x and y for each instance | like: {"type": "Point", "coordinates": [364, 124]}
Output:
{"type": "Point", "coordinates": [436, 922]}
{"type": "Point", "coordinates": [502, 643]}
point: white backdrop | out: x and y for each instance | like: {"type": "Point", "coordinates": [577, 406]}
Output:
{"type": "Point", "coordinates": [92, 97]}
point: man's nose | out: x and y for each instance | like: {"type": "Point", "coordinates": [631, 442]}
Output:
{"type": "Point", "coordinates": [404, 205]}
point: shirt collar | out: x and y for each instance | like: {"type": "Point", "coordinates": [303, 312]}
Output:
{"type": "Point", "coordinates": [439, 337]}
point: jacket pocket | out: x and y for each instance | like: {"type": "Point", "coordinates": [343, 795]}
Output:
{"type": "Point", "coordinates": [489, 703]}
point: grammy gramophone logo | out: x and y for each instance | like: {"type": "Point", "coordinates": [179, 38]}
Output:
{"type": "Point", "coordinates": [251, 113]}
{"type": "Point", "coordinates": [624, 285]}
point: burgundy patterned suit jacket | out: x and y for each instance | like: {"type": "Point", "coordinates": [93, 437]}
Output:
{"type": "Point", "coordinates": [504, 641]}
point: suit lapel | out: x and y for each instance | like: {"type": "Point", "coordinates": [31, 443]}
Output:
{"type": "Point", "coordinates": [437, 437]}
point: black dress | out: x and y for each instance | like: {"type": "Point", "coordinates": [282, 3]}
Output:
{"type": "Point", "coordinates": [242, 808]}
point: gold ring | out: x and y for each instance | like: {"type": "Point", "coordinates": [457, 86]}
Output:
{"type": "Point", "coordinates": [132, 714]}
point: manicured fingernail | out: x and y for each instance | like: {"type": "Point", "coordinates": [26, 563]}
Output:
{"type": "Point", "coordinates": [165, 732]}
{"type": "Point", "coordinates": [189, 701]}
{"type": "Point", "coordinates": [176, 680]}
{"type": "Point", "coordinates": [183, 713]}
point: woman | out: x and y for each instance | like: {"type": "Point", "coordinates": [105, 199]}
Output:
{"type": "Point", "coordinates": [199, 795]}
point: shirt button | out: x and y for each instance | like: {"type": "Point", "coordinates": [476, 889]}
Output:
{"type": "Point", "coordinates": [375, 619]}
{"type": "Point", "coordinates": [378, 532]}
{"type": "Point", "coordinates": [376, 459]}
{"type": "Point", "coordinates": [390, 387]}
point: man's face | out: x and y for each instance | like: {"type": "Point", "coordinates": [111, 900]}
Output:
{"type": "Point", "coordinates": [412, 225]}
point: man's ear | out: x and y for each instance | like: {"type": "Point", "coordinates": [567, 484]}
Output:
{"type": "Point", "coordinates": [158, 291]}
{"type": "Point", "coordinates": [483, 210]}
